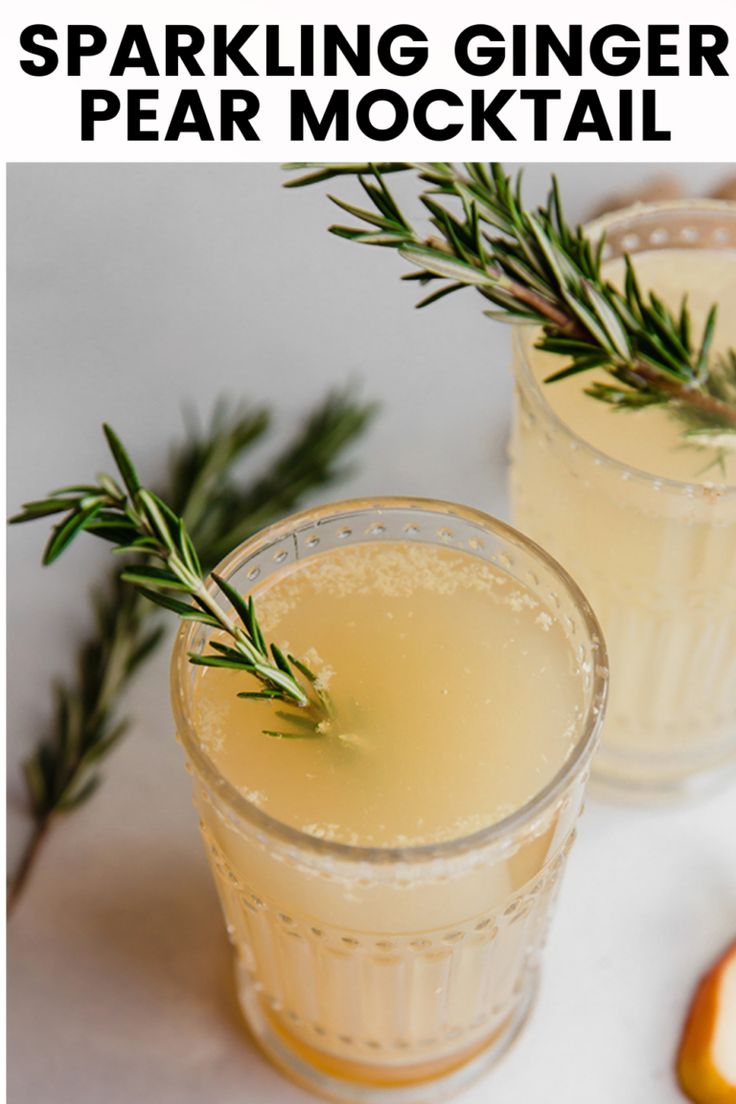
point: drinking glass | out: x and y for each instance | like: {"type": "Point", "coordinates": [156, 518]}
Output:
{"type": "Point", "coordinates": [656, 556]}
{"type": "Point", "coordinates": [392, 974]}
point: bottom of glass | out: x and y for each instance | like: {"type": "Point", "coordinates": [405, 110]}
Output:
{"type": "Point", "coordinates": [627, 778]}
{"type": "Point", "coordinates": [428, 1083]}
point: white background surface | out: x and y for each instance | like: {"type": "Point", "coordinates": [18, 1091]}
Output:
{"type": "Point", "coordinates": [131, 289]}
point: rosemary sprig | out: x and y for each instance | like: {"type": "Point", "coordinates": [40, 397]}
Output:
{"type": "Point", "coordinates": [532, 266]}
{"type": "Point", "coordinates": [220, 511]}
{"type": "Point", "coordinates": [136, 520]}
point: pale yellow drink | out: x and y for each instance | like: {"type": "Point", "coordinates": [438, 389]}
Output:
{"type": "Point", "coordinates": [651, 440]}
{"type": "Point", "coordinates": [428, 655]}
{"type": "Point", "coordinates": [646, 524]}
{"type": "Point", "coordinates": [386, 923]}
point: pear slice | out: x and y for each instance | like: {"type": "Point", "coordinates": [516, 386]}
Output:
{"type": "Point", "coordinates": [706, 1060]}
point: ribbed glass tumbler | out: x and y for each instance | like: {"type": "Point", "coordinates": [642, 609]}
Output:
{"type": "Point", "coordinates": [656, 556]}
{"type": "Point", "coordinates": [383, 974]}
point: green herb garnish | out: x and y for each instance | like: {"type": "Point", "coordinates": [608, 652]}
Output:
{"type": "Point", "coordinates": [136, 520]}
{"type": "Point", "coordinates": [535, 268]}
{"type": "Point", "coordinates": [220, 510]}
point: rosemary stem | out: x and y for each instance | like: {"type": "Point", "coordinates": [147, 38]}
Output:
{"type": "Point", "coordinates": [17, 883]}
{"type": "Point", "coordinates": [561, 321]}
{"type": "Point", "coordinates": [228, 624]}
{"type": "Point", "coordinates": [687, 395]}
{"type": "Point", "coordinates": [682, 393]}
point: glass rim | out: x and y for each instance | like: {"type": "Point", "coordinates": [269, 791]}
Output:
{"type": "Point", "coordinates": [246, 811]}
{"type": "Point", "coordinates": [526, 378]}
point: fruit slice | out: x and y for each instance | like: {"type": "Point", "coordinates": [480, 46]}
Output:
{"type": "Point", "coordinates": [706, 1060]}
